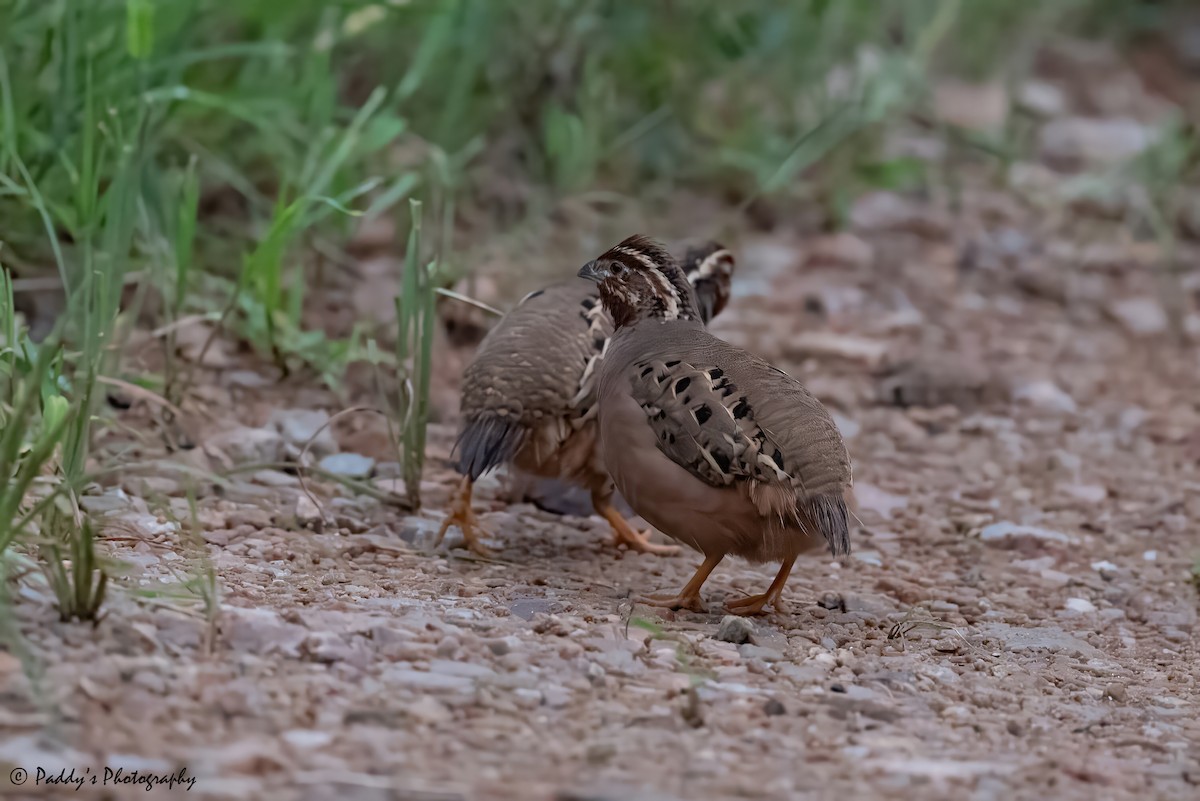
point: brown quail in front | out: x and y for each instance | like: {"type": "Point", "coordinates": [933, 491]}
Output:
{"type": "Point", "coordinates": [529, 399]}
{"type": "Point", "coordinates": [713, 446]}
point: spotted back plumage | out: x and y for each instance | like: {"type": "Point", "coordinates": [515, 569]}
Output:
{"type": "Point", "coordinates": [731, 420]}
{"type": "Point", "coordinates": [532, 381]}
{"type": "Point", "coordinates": [734, 421]}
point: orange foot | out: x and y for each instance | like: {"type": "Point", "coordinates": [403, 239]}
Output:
{"type": "Point", "coordinates": [463, 516]}
{"type": "Point", "coordinates": [638, 541]}
{"type": "Point", "coordinates": [689, 596]}
{"type": "Point", "coordinates": [690, 602]}
{"type": "Point", "coordinates": [627, 535]}
{"type": "Point", "coordinates": [755, 604]}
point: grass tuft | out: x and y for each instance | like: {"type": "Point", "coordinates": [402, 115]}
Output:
{"type": "Point", "coordinates": [415, 315]}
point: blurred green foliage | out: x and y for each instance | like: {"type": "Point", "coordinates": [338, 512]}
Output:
{"type": "Point", "coordinates": [298, 110]}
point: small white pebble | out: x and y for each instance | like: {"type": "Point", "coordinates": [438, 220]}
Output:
{"type": "Point", "coordinates": [1080, 605]}
{"type": "Point", "coordinates": [956, 713]}
{"type": "Point", "coordinates": [1150, 556]}
{"type": "Point", "coordinates": [307, 738]}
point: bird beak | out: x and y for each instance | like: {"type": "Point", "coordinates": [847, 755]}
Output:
{"type": "Point", "coordinates": [592, 271]}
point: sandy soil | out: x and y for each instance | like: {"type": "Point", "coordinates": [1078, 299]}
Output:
{"type": "Point", "coordinates": [1018, 618]}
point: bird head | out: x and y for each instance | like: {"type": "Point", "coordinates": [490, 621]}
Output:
{"type": "Point", "coordinates": [709, 268]}
{"type": "Point", "coordinates": [639, 279]}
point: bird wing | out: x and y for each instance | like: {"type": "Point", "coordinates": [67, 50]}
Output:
{"type": "Point", "coordinates": [732, 419]}
{"type": "Point", "coordinates": [540, 360]}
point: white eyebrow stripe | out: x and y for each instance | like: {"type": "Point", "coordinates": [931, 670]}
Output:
{"type": "Point", "coordinates": [646, 261]}
{"type": "Point", "coordinates": [667, 289]}
{"type": "Point", "coordinates": [710, 265]}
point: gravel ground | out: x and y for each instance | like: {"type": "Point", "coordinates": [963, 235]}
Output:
{"type": "Point", "coordinates": [1017, 619]}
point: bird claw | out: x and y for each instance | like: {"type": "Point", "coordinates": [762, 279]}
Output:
{"type": "Point", "coordinates": [690, 602]}
{"type": "Point", "coordinates": [756, 605]}
{"type": "Point", "coordinates": [639, 541]}
{"type": "Point", "coordinates": [464, 517]}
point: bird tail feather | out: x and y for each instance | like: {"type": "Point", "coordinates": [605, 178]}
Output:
{"type": "Point", "coordinates": [832, 518]}
{"type": "Point", "coordinates": [486, 443]}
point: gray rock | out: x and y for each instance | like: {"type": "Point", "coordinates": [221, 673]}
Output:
{"type": "Point", "coordinates": [275, 478]}
{"type": "Point", "coordinates": [150, 486]}
{"type": "Point", "coordinates": [260, 631]}
{"type": "Point", "coordinates": [468, 670]}
{"type": "Point", "coordinates": [248, 379]}
{"type": "Point", "coordinates": [620, 663]}
{"type": "Point", "coordinates": [1100, 141]}
{"type": "Point", "coordinates": [351, 465]}
{"type": "Point", "coordinates": [975, 106]}
{"type": "Point", "coordinates": [32, 751]}
{"type": "Point", "coordinates": [500, 645]}
{"type": "Point", "coordinates": [890, 211]}
{"type": "Point", "coordinates": [247, 445]}
{"type": "Point", "coordinates": [1080, 605]}
{"type": "Point", "coordinates": [556, 696]}
{"type": "Point", "coordinates": [1141, 316]}
{"type": "Point", "coordinates": [868, 557]}
{"type": "Point", "coordinates": [873, 499]}
{"type": "Point", "coordinates": [735, 629]}
{"type": "Point", "coordinates": [132, 762]}
{"type": "Point", "coordinates": [306, 739]}
{"type": "Point", "coordinates": [840, 250]}
{"type": "Point", "coordinates": [1089, 494]}
{"type": "Point", "coordinates": [300, 427]}
{"type": "Point", "coordinates": [526, 608]}
{"type": "Point", "coordinates": [326, 646]}
{"type": "Point", "coordinates": [1180, 616]}
{"type": "Point", "coordinates": [843, 703]}
{"type": "Point", "coordinates": [244, 492]}
{"type": "Point", "coordinates": [419, 530]}
{"type": "Point", "coordinates": [1191, 326]}
{"type": "Point", "coordinates": [427, 709]}
{"type": "Point", "coordinates": [421, 680]}
{"type": "Point", "coordinates": [1045, 395]}
{"type": "Point", "coordinates": [830, 345]}
{"type": "Point", "coordinates": [872, 604]}
{"type": "Point", "coordinates": [750, 651]}
{"type": "Point", "coordinates": [1041, 638]}
{"type": "Point", "coordinates": [598, 754]}
{"type": "Point", "coordinates": [110, 501]}
{"type": "Point", "coordinates": [389, 470]}
{"type": "Point", "coordinates": [1008, 533]}
{"type": "Point", "coordinates": [147, 524]}
{"type": "Point", "coordinates": [307, 511]}
{"type": "Point", "coordinates": [1116, 692]}
{"type": "Point", "coordinates": [1042, 98]}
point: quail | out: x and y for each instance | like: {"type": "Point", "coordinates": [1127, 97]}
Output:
{"type": "Point", "coordinates": [713, 446]}
{"type": "Point", "coordinates": [529, 400]}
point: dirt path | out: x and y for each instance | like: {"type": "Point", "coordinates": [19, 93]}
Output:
{"type": "Point", "coordinates": [1016, 621]}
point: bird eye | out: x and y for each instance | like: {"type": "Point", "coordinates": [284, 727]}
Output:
{"type": "Point", "coordinates": [618, 268]}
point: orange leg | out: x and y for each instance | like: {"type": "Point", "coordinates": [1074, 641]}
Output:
{"type": "Point", "coordinates": [754, 604]}
{"type": "Point", "coordinates": [689, 596]}
{"type": "Point", "coordinates": [461, 515]}
{"type": "Point", "coordinates": [625, 534]}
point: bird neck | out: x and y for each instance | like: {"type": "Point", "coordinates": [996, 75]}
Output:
{"type": "Point", "coordinates": [666, 295]}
